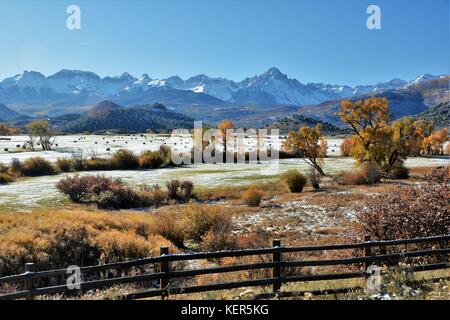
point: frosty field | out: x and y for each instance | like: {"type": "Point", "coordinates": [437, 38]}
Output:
{"type": "Point", "coordinates": [104, 146]}
{"type": "Point", "coordinates": [29, 192]}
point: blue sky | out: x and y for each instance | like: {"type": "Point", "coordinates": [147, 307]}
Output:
{"type": "Point", "coordinates": [311, 40]}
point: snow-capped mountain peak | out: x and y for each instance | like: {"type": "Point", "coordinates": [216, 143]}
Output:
{"type": "Point", "coordinates": [270, 87]}
{"type": "Point", "coordinates": [26, 79]}
{"type": "Point", "coordinates": [422, 78]}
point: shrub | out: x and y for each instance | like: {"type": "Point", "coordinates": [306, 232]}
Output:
{"type": "Point", "coordinates": [294, 180]}
{"type": "Point", "coordinates": [186, 189]}
{"type": "Point", "coordinates": [72, 244]}
{"type": "Point", "coordinates": [6, 178]}
{"type": "Point", "coordinates": [156, 195]}
{"type": "Point", "coordinates": [353, 178]}
{"type": "Point", "coordinates": [314, 179]}
{"type": "Point", "coordinates": [166, 154]}
{"type": "Point", "coordinates": [252, 197]}
{"type": "Point", "coordinates": [218, 241]}
{"type": "Point", "coordinates": [55, 239]}
{"type": "Point", "coordinates": [124, 160]}
{"type": "Point", "coordinates": [64, 165]}
{"type": "Point", "coordinates": [172, 188]}
{"type": "Point", "coordinates": [119, 197]}
{"type": "Point", "coordinates": [151, 160]}
{"type": "Point", "coordinates": [369, 174]}
{"type": "Point", "coordinates": [198, 220]}
{"type": "Point", "coordinates": [15, 168]}
{"type": "Point", "coordinates": [37, 166]}
{"type": "Point", "coordinates": [400, 172]}
{"type": "Point", "coordinates": [104, 192]}
{"type": "Point", "coordinates": [78, 188]}
{"type": "Point", "coordinates": [97, 165]}
{"type": "Point", "coordinates": [179, 190]}
{"type": "Point", "coordinates": [408, 211]}
{"type": "Point", "coordinates": [373, 173]}
{"type": "Point", "coordinates": [117, 246]}
{"type": "Point", "coordinates": [168, 226]}
{"type": "Point", "coordinates": [78, 162]}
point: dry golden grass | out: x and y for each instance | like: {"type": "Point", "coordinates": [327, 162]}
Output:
{"type": "Point", "coordinates": [57, 238]}
{"type": "Point", "coordinates": [235, 192]}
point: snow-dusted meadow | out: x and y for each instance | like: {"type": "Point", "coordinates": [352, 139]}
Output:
{"type": "Point", "coordinates": [33, 191]}
{"type": "Point", "coordinates": [106, 145]}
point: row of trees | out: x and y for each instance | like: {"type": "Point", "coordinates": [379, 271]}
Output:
{"type": "Point", "coordinates": [375, 140]}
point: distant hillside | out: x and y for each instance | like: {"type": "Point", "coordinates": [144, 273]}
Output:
{"type": "Point", "coordinates": [109, 116]}
{"type": "Point", "coordinates": [6, 113]}
{"type": "Point", "coordinates": [402, 102]}
{"type": "Point", "coordinates": [438, 114]}
{"type": "Point", "coordinates": [296, 121]}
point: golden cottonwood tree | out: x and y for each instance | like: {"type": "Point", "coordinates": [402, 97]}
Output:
{"type": "Point", "coordinates": [373, 139]}
{"type": "Point", "coordinates": [306, 141]}
{"type": "Point", "coordinates": [42, 130]}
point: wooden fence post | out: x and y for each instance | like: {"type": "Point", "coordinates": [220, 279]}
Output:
{"type": "Point", "coordinates": [276, 270]}
{"type": "Point", "coordinates": [164, 267]}
{"type": "Point", "coordinates": [28, 282]}
{"type": "Point", "coordinates": [367, 252]}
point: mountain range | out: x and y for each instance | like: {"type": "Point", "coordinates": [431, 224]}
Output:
{"type": "Point", "coordinates": [404, 101]}
{"type": "Point", "coordinates": [254, 101]}
{"type": "Point", "coordinates": [439, 115]}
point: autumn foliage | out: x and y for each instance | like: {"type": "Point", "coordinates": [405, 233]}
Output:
{"type": "Point", "coordinates": [375, 140]}
{"type": "Point", "coordinates": [410, 211]}
{"type": "Point", "coordinates": [307, 142]}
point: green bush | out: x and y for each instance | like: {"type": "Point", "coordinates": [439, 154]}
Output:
{"type": "Point", "coordinates": [294, 180]}
{"type": "Point", "coordinates": [37, 166]}
{"type": "Point", "coordinates": [124, 160]}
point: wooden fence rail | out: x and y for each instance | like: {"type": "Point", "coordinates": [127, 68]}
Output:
{"type": "Point", "coordinates": [277, 265]}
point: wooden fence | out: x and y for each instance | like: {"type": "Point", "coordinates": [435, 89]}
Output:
{"type": "Point", "coordinates": [164, 273]}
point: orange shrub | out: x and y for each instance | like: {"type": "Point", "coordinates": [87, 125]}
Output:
{"type": "Point", "coordinates": [354, 178]}
{"type": "Point", "coordinates": [252, 197]}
